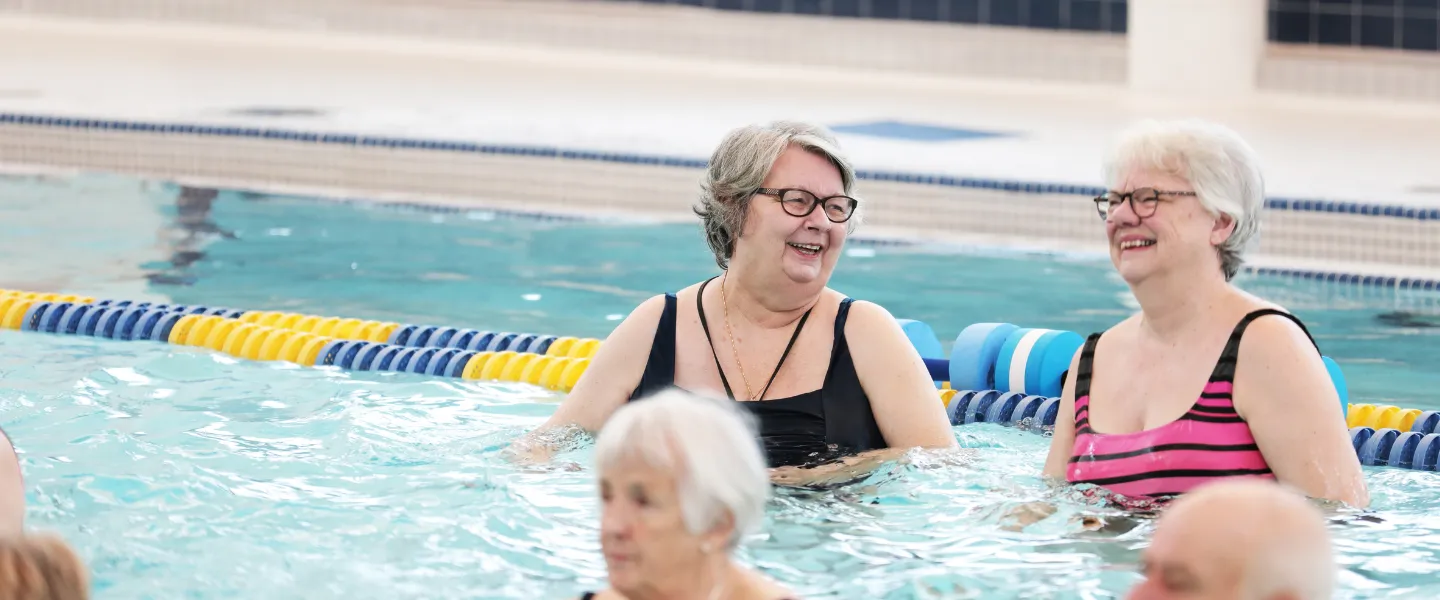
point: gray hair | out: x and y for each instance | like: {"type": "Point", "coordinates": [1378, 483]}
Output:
{"type": "Point", "coordinates": [710, 445]}
{"type": "Point", "coordinates": [1218, 163]}
{"type": "Point", "coordinates": [740, 165]}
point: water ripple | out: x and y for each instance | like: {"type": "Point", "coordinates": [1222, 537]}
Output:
{"type": "Point", "coordinates": [180, 476]}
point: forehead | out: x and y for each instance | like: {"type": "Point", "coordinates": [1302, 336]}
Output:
{"type": "Point", "coordinates": [633, 469]}
{"type": "Point", "coordinates": [1136, 178]}
{"type": "Point", "coordinates": [800, 168]}
{"type": "Point", "coordinates": [1199, 546]}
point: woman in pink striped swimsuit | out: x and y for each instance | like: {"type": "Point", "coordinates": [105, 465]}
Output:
{"type": "Point", "coordinates": [1206, 381]}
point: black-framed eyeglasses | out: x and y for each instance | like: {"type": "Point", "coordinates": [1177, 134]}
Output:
{"type": "Point", "coordinates": [800, 203]}
{"type": "Point", "coordinates": [1143, 201]}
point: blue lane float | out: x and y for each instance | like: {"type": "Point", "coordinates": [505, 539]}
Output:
{"type": "Point", "coordinates": [1393, 448]}
{"type": "Point", "coordinates": [972, 358]}
{"type": "Point", "coordinates": [1338, 378]}
{"type": "Point", "coordinates": [1036, 361]}
{"type": "Point", "coordinates": [1427, 422]}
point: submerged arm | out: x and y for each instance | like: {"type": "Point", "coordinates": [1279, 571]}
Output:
{"type": "Point", "coordinates": [612, 375]}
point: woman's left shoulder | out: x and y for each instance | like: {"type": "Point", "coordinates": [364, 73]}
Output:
{"type": "Point", "coordinates": [861, 309]}
{"type": "Point", "coordinates": [1277, 332]}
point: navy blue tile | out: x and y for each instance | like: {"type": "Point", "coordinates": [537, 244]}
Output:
{"type": "Point", "coordinates": [1378, 31]}
{"type": "Point", "coordinates": [1419, 33]}
{"type": "Point", "coordinates": [1119, 16]}
{"type": "Point", "coordinates": [846, 8]}
{"type": "Point", "coordinates": [1334, 29]}
{"type": "Point", "coordinates": [1044, 14]}
{"type": "Point", "coordinates": [808, 7]}
{"type": "Point", "coordinates": [1005, 13]}
{"type": "Point", "coordinates": [1290, 26]}
{"type": "Point", "coordinates": [927, 10]}
{"type": "Point", "coordinates": [767, 6]}
{"type": "Point", "coordinates": [965, 11]}
{"type": "Point", "coordinates": [884, 10]}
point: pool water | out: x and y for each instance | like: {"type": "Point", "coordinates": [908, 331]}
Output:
{"type": "Point", "coordinates": [180, 472]}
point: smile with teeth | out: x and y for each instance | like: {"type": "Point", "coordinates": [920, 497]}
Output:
{"type": "Point", "coordinates": [1128, 244]}
{"type": "Point", "coordinates": [806, 249]}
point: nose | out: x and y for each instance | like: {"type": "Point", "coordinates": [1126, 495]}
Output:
{"type": "Point", "coordinates": [1123, 215]}
{"type": "Point", "coordinates": [817, 220]}
{"type": "Point", "coordinates": [615, 520]}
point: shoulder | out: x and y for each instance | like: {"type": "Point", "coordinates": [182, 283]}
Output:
{"type": "Point", "coordinates": [1274, 336]}
{"type": "Point", "coordinates": [646, 313]}
{"type": "Point", "coordinates": [871, 322]}
{"type": "Point", "coordinates": [867, 312]}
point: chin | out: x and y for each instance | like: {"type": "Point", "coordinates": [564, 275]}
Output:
{"type": "Point", "coordinates": [806, 273]}
{"type": "Point", "coordinates": [622, 578]}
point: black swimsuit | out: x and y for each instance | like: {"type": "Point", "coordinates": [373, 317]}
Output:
{"type": "Point", "coordinates": [810, 428]}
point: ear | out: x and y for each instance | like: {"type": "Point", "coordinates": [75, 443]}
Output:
{"type": "Point", "coordinates": [1222, 230]}
{"type": "Point", "coordinates": [716, 539]}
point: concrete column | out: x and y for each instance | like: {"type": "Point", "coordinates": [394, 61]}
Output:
{"type": "Point", "coordinates": [1196, 48]}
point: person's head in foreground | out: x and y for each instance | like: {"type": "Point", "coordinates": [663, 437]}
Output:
{"type": "Point", "coordinates": [1241, 539]}
{"type": "Point", "coordinates": [1217, 378]}
{"type": "Point", "coordinates": [41, 567]}
{"type": "Point", "coordinates": [682, 482]}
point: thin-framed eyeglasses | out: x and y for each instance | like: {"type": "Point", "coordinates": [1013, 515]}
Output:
{"type": "Point", "coordinates": [1143, 201]}
{"type": "Point", "coordinates": [800, 203]}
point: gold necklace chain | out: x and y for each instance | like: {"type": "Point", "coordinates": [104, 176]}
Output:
{"type": "Point", "coordinates": [734, 350]}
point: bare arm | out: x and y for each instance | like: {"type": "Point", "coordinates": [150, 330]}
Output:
{"type": "Point", "coordinates": [1062, 440]}
{"type": "Point", "coordinates": [902, 395]}
{"type": "Point", "coordinates": [12, 490]}
{"type": "Point", "coordinates": [1284, 393]}
{"type": "Point", "coordinates": [612, 375]}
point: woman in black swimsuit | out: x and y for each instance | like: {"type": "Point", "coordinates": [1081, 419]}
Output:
{"type": "Point", "coordinates": [827, 377]}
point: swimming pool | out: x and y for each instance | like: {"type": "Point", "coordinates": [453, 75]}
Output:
{"type": "Point", "coordinates": [183, 472]}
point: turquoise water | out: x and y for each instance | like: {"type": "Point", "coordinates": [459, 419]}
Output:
{"type": "Point", "coordinates": [178, 472]}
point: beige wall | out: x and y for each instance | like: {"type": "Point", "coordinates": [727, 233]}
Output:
{"type": "Point", "coordinates": [919, 49]}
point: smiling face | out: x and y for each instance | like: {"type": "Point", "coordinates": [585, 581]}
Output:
{"type": "Point", "coordinates": [805, 249]}
{"type": "Point", "coordinates": [1168, 232]}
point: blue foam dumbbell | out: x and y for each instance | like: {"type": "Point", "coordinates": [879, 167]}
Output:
{"type": "Point", "coordinates": [972, 358]}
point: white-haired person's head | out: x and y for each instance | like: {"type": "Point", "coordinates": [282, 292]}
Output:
{"type": "Point", "coordinates": [682, 482]}
{"type": "Point", "coordinates": [1188, 192]}
{"type": "Point", "coordinates": [1239, 539]}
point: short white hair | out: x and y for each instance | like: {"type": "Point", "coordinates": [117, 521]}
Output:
{"type": "Point", "coordinates": [1218, 163]}
{"type": "Point", "coordinates": [710, 445]}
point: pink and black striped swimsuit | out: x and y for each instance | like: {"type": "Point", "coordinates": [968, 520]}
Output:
{"type": "Point", "coordinates": [1209, 441]}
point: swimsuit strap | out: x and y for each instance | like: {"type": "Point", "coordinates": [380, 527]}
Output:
{"type": "Point", "coordinates": [700, 306]}
{"type": "Point", "coordinates": [1230, 356]}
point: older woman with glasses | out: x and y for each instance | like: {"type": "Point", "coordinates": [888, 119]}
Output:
{"type": "Point", "coordinates": [1206, 381]}
{"type": "Point", "coordinates": [847, 390]}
